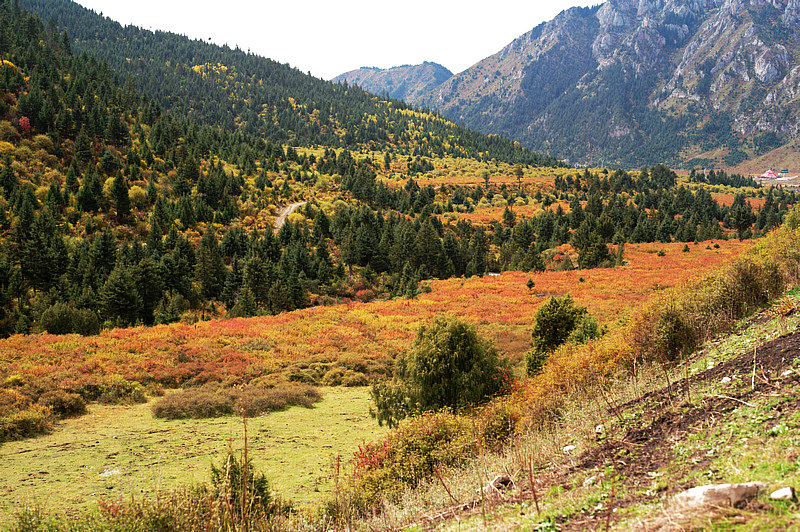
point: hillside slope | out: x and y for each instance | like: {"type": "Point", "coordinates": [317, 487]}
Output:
{"type": "Point", "coordinates": [641, 82]}
{"type": "Point", "coordinates": [407, 82]}
{"type": "Point", "coordinates": [729, 415]}
{"type": "Point", "coordinates": [240, 91]}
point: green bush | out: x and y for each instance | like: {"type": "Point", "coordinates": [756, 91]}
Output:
{"type": "Point", "coordinates": [63, 404]}
{"type": "Point", "coordinates": [64, 319]}
{"type": "Point", "coordinates": [20, 424]}
{"type": "Point", "coordinates": [448, 366]}
{"type": "Point", "coordinates": [557, 321]}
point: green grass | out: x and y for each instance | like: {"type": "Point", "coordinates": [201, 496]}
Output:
{"type": "Point", "coordinates": [295, 448]}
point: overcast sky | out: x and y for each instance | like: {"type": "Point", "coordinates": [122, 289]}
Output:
{"type": "Point", "coordinates": [328, 37]}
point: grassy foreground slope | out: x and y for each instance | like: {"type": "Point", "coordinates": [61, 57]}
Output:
{"type": "Point", "coordinates": [118, 452]}
{"type": "Point", "coordinates": [731, 414]}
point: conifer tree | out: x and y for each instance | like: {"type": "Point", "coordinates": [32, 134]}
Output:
{"type": "Point", "coordinates": [122, 200]}
{"type": "Point", "coordinates": [210, 267]}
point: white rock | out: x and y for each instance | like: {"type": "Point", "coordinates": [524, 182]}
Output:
{"type": "Point", "coordinates": [569, 448]}
{"type": "Point", "coordinates": [599, 429]}
{"type": "Point", "coordinates": [787, 373]}
{"type": "Point", "coordinates": [783, 494]}
{"type": "Point", "coordinates": [110, 472]}
{"type": "Point", "coordinates": [717, 495]}
{"type": "Point", "coordinates": [725, 380]}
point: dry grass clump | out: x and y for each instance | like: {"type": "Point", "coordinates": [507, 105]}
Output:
{"type": "Point", "coordinates": [214, 400]}
{"type": "Point", "coordinates": [237, 498]}
{"type": "Point", "coordinates": [254, 401]}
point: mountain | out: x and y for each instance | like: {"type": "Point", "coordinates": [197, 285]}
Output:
{"type": "Point", "coordinates": [633, 82]}
{"type": "Point", "coordinates": [244, 92]}
{"type": "Point", "coordinates": [407, 82]}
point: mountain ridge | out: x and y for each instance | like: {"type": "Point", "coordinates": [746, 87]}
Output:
{"type": "Point", "coordinates": [632, 82]}
{"type": "Point", "coordinates": [403, 82]}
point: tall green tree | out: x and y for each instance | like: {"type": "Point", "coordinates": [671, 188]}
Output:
{"type": "Point", "coordinates": [448, 366]}
{"type": "Point", "coordinates": [211, 269]}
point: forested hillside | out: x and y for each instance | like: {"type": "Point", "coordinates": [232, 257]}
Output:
{"type": "Point", "coordinates": [105, 191]}
{"type": "Point", "coordinates": [240, 91]}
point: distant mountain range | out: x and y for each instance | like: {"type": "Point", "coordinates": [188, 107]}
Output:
{"type": "Point", "coordinates": [632, 82]}
{"type": "Point", "coordinates": [407, 82]}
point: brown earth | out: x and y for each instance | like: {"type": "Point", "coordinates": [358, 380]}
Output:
{"type": "Point", "coordinates": [636, 452]}
{"type": "Point", "coordinates": [643, 450]}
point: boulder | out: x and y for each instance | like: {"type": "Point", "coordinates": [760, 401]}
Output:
{"type": "Point", "coordinates": [717, 495]}
{"type": "Point", "coordinates": [783, 494]}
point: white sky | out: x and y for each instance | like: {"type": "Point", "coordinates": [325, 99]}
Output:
{"type": "Point", "coordinates": [328, 38]}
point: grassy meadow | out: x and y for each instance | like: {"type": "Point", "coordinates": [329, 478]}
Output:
{"type": "Point", "coordinates": [118, 452]}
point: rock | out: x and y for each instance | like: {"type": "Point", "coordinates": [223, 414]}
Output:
{"type": "Point", "coordinates": [569, 448]}
{"type": "Point", "coordinates": [500, 482]}
{"type": "Point", "coordinates": [769, 66]}
{"type": "Point", "coordinates": [725, 380]}
{"type": "Point", "coordinates": [110, 472]}
{"type": "Point", "coordinates": [717, 495]}
{"type": "Point", "coordinates": [786, 373]}
{"type": "Point", "coordinates": [599, 429]}
{"type": "Point", "coordinates": [783, 494]}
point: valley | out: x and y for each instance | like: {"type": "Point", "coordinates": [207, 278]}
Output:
{"type": "Point", "coordinates": [234, 296]}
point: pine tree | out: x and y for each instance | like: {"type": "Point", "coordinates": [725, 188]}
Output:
{"type": "Point", "coordinates": [210, 267]}
{"type": "Point", "coordinates": [148, 278]}
{"type": "Point", "coordinates": [122, 200]}
{"type": "Point", "coordinates": [83, 147]}
{"type": "Point", "coordinates": [120, 297]}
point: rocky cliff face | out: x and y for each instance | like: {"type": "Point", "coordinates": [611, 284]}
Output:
{"type": "Point", "coordinates": [641, 81]}
{"type": "Point", "coordinates": [407, 82]}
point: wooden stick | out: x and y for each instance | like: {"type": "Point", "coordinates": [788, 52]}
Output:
{"type": "Point", "coordinates": [735, 399]}
{"type": "Point", "coordinates": [533, 487]}
{"type": "Point", "coordinates": [439, 476]}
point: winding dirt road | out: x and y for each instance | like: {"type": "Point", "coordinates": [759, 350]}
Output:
{"type": "Point", "coordinates": [284, 214]}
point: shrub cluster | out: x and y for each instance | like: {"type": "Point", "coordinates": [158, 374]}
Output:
{"type": "Point", "coordinates": [407, 456]}
{"type": "Point", "coordinates": [16, 424]}
{"type": "Point", "coordinates": [346, 372]}
{"type": "Point", "coordinates": [29, 406]}
{"type": "Point", "coordinates": [65, 319]}
{"type": "Point", "coordinates": [214, 400]}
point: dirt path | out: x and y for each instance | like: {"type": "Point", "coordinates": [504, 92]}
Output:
{"type": "Point", "coordinates": [284, 214]}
